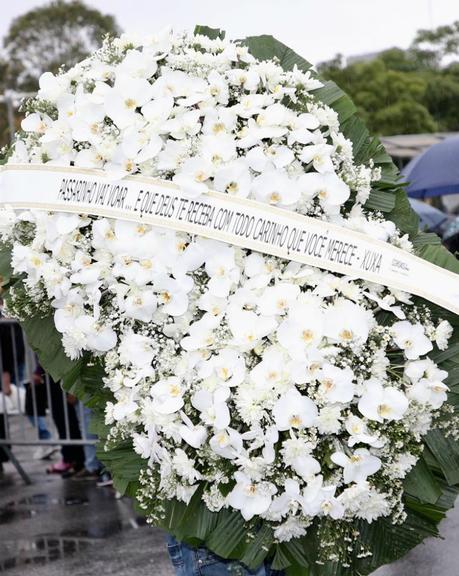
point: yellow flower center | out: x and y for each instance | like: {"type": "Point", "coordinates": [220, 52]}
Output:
{"type": "Point", "coordinates": [218, 127]}
{"type": "Point", "coordinates": [232, 188]}
{"type": "Point", "coordinates": [384, 410]}
{"type": "Point", "coordinates": [166, 297]}
{"type": "Point", "coordinates": [174, 390]}
{"type": "Point", "coordinates": [224, 373]}
{"type": "Point", "coordinates": [328, 384]}
{"type": "Point", "coordinates": [346, 334]}
{"type": "Point", "coordinates": [130, 103]}
{"type": "Point", "coordinates": [200, 176]}
{"type": "Point", "coordinates": [307, 336]}
{"type": "Point", "coordinates": [295, 421]}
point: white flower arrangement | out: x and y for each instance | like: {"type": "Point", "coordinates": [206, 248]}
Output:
{"type": "Point", "coordinates": [270, 388]}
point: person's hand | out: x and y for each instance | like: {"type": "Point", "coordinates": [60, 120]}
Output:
{"type": "Point", "coordinates": [37, 379]}
{"type": "Point", "coordinates": [71, 399]}
{"type": "Point", "coordinates": [6, 384]}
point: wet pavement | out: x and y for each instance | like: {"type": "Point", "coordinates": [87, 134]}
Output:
{"type": "Point", "coordinates": [57, 527]}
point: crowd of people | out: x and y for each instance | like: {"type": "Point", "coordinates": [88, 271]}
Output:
{"type": "Point", "coordinates": [38, 398]}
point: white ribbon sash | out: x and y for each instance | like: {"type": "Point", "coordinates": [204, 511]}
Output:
{"type": "Point", "coordinates": [238, 221]}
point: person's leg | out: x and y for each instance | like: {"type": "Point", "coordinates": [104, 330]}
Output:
{"type": "Point", "coordinates": [188, 561]}
{"type": "Point", "coordinates": [3, 454]}
{"type": "Point", "coordinates": [70, 454]}
{"type": "Point", "coordinates": [91, 463]}
{"type": "Point", "coordinates": [40, 423]}
{"type": "Point", "coordinates": [74, 453]}
{"type": "Point", "coordinates": [43, 432]}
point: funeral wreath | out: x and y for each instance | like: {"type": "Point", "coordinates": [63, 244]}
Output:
{"type": "Point", "coordinates": [252, 404]}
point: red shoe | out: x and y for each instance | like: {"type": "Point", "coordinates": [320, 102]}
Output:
{"type": "Point", "coordinates": [58, 468]}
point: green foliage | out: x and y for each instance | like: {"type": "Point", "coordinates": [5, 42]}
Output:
{"type": "Point", "coordinates": [45, 38]}
{"type": "Point", "coordinates": [212, 33]}
{"type": "Point", "coordinates": [46, 341]}
{"type": "Point", "coordinates": [405, 91]}
{"type": "Point", "coordinates": [266, 47]}
{"type": "Point", "coordinates": [444, 40]}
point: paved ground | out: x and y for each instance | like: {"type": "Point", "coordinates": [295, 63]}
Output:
{"type": "Point", "coordinates": [61, 527]}
{"type": "Point", "coordinates": [58, 527]}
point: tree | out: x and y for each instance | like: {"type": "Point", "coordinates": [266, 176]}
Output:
{"type": "Point", "coordinates": [46, 38]}
{"type": "Point", "coordinates": [389, 100]}
{"type": "Point", "coordinates": [443, 41]}
{"type": "Point", "coordinates": [406, 91]}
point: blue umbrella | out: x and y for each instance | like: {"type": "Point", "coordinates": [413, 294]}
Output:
{"type": "Point", "coordinates": [435, 172]}
{"type": "Point", "coordinates": [431, 218]}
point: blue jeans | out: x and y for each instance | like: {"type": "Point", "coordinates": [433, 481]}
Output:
{"type": "Point", "coordinates": [91, 463]}
{"type": "Point", "coordinates": [189, 561]}
{"type": "Point", "coordinates": [40, 423]}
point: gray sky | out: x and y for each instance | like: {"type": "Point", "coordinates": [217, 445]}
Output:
{"type": "Point", "coordinates": [317, 29]}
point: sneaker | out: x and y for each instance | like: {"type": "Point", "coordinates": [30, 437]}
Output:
{"type": "Point", "coordinates": [44, 452]}
{"type": "Point", "coordinates": [104, 480]}
{"type": "Point", "coordinates": [84, 474]}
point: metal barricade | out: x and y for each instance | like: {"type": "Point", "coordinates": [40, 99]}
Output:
{"type": "Point", "coordinates": [34, 410]}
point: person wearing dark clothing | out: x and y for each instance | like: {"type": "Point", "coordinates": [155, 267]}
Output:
{"type": "Point", "coordinates": [12, 364]}
{"type": "Point", "coordinates": [63, 404]}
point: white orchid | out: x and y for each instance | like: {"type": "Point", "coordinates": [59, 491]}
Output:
{"type": "Point", "coordinates": [358, 466]}
{"type": "Point", "coordinates": [328, 188]}
{"type": "Point", "coordinates": [227, 443]}
{"type": "Point", "coordinates": [277, 299]}
{"type": "Point", "coordinates": [272, 372]}
{"type": "Point", "coordinates": [213, 407]}
{"type": "Point", "coordinates": [289, 502]}
{"type": "Point", "coordinates": [320, 500]}
{"type": "Point", "coordinates": [296, 453]}
{"type": "Point", "coordinates": [201, 333]}
{"type": "Point", "coordinates": [125, 98]}
{"type": "Point", "coordinates": [302, 330]}
{"type": "Point", "coordinates": [428, 391]}
{"type": "Point", "coordinates": [233, 178]}
{"type": "Point", "coordinates": [249, 497]}
{"type": "Point", "coordinates": [139, 304]}
{"type": "Point", "coordinates": [320, 157]}
{"type": "Point", "coordinates": [167, 395]}
{"type": "Point", "coordinates": [227, 367]}
{"type": "Point", "coordinates": [276, 187]}
{"type": "Point", "coordinates": [193, 175]}
{"type": "Point", "coordinates": [411, 339]}
{"type": "Point", "coordinates": [294, 410]}
{"type": "Point", "coordinates": [336, 384]}
{"type": "Point", "coordinates": [248, 328]}
{"type": "Point", "coordinates": [222, 270]}
{"type": "Point", "coordinates": [381, 403]}
{"type": "Point", "coordinates": [347, 323]}
{"type": "Point", "coordinates": [359, 433]}
{"type": "Point", "coordinates": [136, 349]}
{"type": "Point", "coordinates": [194, 435]}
